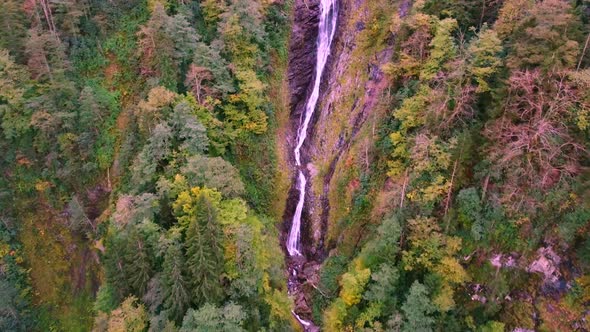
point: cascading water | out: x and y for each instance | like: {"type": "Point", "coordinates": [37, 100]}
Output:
{"type": "Point", "coordinates": [326, 31]}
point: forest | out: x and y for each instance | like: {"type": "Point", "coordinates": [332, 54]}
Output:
{"type": "Point", "coordinates": [149, 181]}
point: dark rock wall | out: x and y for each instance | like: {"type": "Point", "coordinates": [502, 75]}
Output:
{"type": "Point", "coordinates": [302, 52]}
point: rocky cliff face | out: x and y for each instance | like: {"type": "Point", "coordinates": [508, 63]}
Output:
{"type": "Point", "coordinates": [343, 129]}
{"type": "Point", "coordinates": [302, 52]}
{"type": "Point", "coordinates": [301, 71]}
{"type": "Point", "coordinates": [352, 103]}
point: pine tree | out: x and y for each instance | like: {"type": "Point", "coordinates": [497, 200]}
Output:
{"type": "Point", "coordinates": [139, 262]}
{"type": "Point", "coordinates": [204, 253]}
{"type": "Point", "coordinates": [176, 292]}
{"type": "Point", "coordinates": [115, 264]}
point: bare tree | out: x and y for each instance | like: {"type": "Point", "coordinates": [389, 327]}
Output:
{"type": "Point", "coordinates": [531, 144]}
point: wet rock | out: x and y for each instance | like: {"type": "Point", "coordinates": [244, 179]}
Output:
{"type": "Point", "coordinates": [302, 51]}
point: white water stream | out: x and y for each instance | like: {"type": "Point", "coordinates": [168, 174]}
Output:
{"type": "Point", "coordinates": [326, 31]}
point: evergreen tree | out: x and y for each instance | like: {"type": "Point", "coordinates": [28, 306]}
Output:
{"type": "Point", "coordinates": [176, 291]}
{"type": "Point", "coordinates": [139, 262]}
{"type": "Point", "coordinates": [229, 318]}
{"type": "Point", "coordinates": [204, 253]}
{"type": "Point", "coordinates": [115, 263]}
{"type": "Point", "coordinates": [418, 310]}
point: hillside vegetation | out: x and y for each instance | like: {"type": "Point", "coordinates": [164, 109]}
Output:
{"type": "Point", "coordinates": [145, 166]}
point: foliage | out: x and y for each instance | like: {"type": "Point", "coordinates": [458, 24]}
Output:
{"type": "Point", "coordinates": [211, 318]}
{"type": "Point", "coordinates": [418, 309]}
{"type": "Point", "coordinates": [139, 162]}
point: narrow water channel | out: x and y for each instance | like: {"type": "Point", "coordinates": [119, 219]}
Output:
{"type": "Point", "coordinates": [326, 32]}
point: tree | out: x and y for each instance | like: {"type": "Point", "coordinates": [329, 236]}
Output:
{"type": "Point", "coordinates": [139, 268]}
{"type": "Point", "coordinates": [188, 130]}
{"type": "Point", "coordinates": [353, 284]}
{"type": "Point", "coordinates": [510, 16]}
{"type": "Point", "coordinates": [164, 44]}
{"type": "Point", "coordinates": [229, 318]}
{"type": "Point", "coordinates": [213, 173]}
{"type": "Point", "coordinates": [151, 156]}
{"type": "Point", "coordinates": [532, 144]}
{"type": "Point", "coordinates": [418, 310]}
{"type": "Point", "coordinates": [212, 9]}
{"type": "Point", "coordinates": [106, 299]}
{"type": "Point", "coordinates": [432, 251]}
{"type": "Point", "coordinates": [153, 110]}
{"type": "Point", "coordinates": [546, 37]}
{"type": "Point", "coordinates": [153, 298]}
{"type": "Point", "coordinates": [77, 218]}
{"type": "Point", "coordinates": [204, 253]}
{"type": "Point", "coordinates": [46, 55]}
{"type": "Point", "coordinates": [129, 317]}
{"type": "Point", "coordinates": [12, 88]}
{"type": "Point", "coordinates": [469, 212]}
{"type": "Point", "coordinates": [115, 263]}
{"type": "Point", "coordinates": [209, 57]}
{"type": "Point", "coordinates": [442, 48]}
{"type": "Point", "coordinates": [134, 209]}
{"type": "Point", "coordinates": [383, 286]}
{"type": "Point", "coordinates": [385, 246]}
{"type": "Point", "coordinates": [484, 60]}
{"type": "Point", "coordinates": [196, 77]}
{"type": "Point", "coordinates": [176, 286]}
{"type": "Point", "coordinates": [12, 32]}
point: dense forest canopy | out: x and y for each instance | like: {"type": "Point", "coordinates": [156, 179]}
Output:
{"type": "Point", "coordinates": [144, 186]}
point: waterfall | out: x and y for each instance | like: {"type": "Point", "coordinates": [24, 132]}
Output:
{"type": "Point", "coordinates": [327, 29]}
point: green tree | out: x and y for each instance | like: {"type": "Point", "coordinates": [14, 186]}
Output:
{"type": "Point", "coordinates": [78, 220]}
{"type": "Point", "coordinates": [443, 48]}
{"type": "Point", "coordinates": [204, 253]}
{"type": "Point", "coordinates": [115, 263]}
{"type": "Point", "coordinates": [12, 31]}
{"type": "Point", "coordinates": [152, 155]}
{"type": "Point", "coordinates": [418, 310]}
{"type": "Point", "coordinates": [139, 267]}
{"type": "Point", "coordinates": [209, 57]}
{"type": "Point", "coordinates": [547, 37]}
{"type": "Point", "coordinates": [484, 61]}
{"type": "Point", "coordinates": [165, 43]}
{"type": "Point", "coordinates": [176, 286]}
{"type": "Point", "coordinates": [385, 246]}
{"type": "Point", "coordinates": [13, 79]}
{"type": "Point", "coordinates": [189, 131]}
{"type": "Point", "coordinates": [106, 299]}
{"type": "Point", "coordinates": [229, 318]}
{"type": "Point", "coordinates": [469, 212]}
{"type": "Point", "coordinates": [213, 173]}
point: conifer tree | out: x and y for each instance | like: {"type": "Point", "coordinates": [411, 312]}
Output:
{"type": "Point", "coordinates": [176, 291]}
{"type": "Point", "coordinates": [417, 309]}
{"type": "Point", "coordinates": [204, 253]}
{"type": "Point", "coordinates": [139, 262]}
{"type": "Point", "coordinates": [115, 264]}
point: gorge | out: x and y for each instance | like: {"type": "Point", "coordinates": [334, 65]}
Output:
{"type": "Point", "coordinates": [294, 165]}
{"type": "Point", "coordinates": [328, 16]}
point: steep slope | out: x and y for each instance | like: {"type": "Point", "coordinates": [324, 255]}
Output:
{"type": "Point", "coordinates": [446, 190]}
